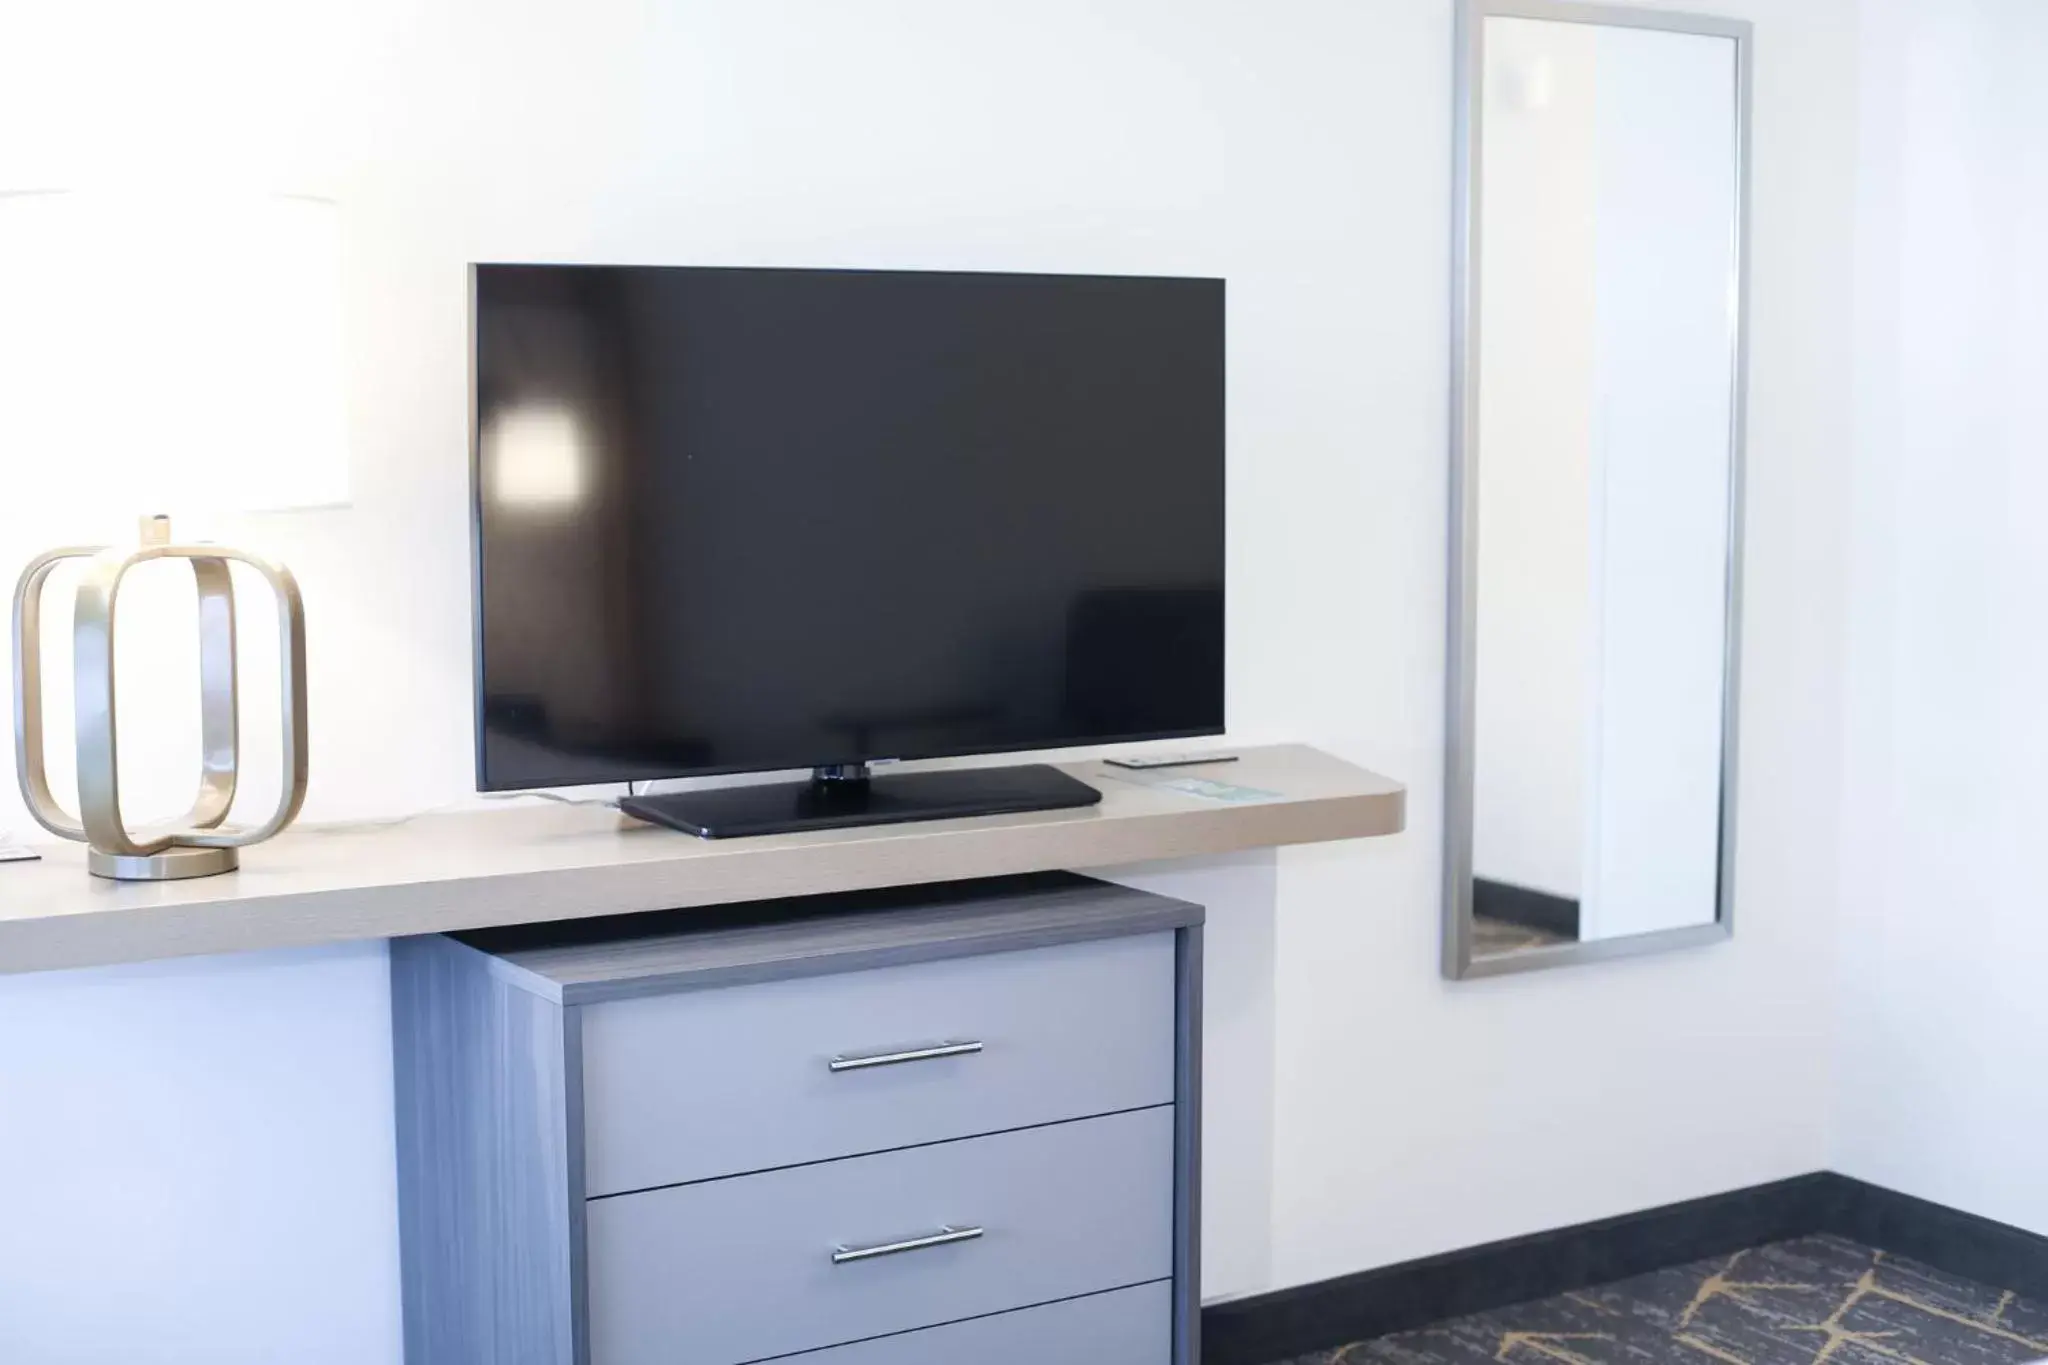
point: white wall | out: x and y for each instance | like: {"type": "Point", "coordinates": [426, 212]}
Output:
{"type": "Point", "coordinates": [196, 1163]}
{"type": "Point", "coordinates": [1944, 968]}
{"type": "Point", "coordinates": [1300, 148]}
{"type": "Point", "coordinates": [1415, 1115]}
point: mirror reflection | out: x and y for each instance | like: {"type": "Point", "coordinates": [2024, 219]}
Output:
{"type": "Point", "coordinates": [1598, 483]}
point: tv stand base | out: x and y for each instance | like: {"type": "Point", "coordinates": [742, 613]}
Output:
{"type": "Point", "coordinates": [847, 795]}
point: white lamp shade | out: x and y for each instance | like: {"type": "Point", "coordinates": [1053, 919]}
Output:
{"type": "Point", "coordinates": [168, 354]}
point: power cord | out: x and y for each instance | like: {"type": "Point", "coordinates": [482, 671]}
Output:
{"type": "Point", "coordinates": [359, 826]}
{"type": "Point", "coordinates": [12, 852]}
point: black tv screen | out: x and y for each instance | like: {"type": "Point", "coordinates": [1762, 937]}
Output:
{"type": "Point", "coordinates": [736, 519]}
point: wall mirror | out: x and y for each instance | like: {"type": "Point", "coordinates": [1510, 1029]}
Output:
{"type": "Point", "coordinates": [1597, 479]}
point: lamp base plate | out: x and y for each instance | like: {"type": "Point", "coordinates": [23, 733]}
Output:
{"type": "Point", "coordinates": [172, 865]}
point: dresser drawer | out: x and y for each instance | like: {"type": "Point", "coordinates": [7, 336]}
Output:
{"type": "Point", "coordinates": [700, 1084]}
{"type": "Point", "coordinates": [1127, 1327]}
{"type": "Point", "coordinates": [737, 1270]}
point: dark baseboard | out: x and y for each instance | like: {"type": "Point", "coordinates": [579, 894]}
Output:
{"type": "Point", "coordinates": [1992, 1253]}
{"type": "Point", "coordinates": [1527, 907]}
{"type": "Point", "coordinates": [1290, 1322]}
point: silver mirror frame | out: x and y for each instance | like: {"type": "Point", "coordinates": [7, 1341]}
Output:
{"type": "Point", "coordinates": [1460, 663]}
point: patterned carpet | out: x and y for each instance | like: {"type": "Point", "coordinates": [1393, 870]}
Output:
{"type": "Point", "coordinates": [1492, 937]}
{"type": "Point", "coordinates": [1816, 1301]}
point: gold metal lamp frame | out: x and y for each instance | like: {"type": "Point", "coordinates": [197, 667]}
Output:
{"type": "Point", "coordinates": [200, 844]}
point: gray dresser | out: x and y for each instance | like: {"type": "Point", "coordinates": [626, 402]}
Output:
{"type": "Point", "coordinates": [939, 1124]}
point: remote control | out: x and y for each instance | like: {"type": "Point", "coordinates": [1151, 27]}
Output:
{"type": "Point", "coordinates": [1141, 762]}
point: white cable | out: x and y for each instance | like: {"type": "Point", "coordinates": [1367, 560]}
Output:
{"type": "Point", "coordinates": [357, 826]}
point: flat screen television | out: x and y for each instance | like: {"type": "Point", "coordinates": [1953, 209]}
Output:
{"type": "Point", "coordinates": [743, 520]}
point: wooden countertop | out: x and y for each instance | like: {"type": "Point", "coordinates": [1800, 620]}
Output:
{"type": "Point", "coordinates": [535, 862]}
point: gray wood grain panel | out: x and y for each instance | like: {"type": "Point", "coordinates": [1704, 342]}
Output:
{"type": "Point", "coordinates": [1125, 1327]}
{"type": "Point", "coordinates": [699, 1084]}
{"type": "Point", "coordinates": [500, 1263]}
{"type": "Point", "coordinates": [483, 1162]}
{"type": "Point", "coordinates": [741, 1269]}
{"type": "Point", "coordinates": [592, 960]}
{"type": "Point", "coordinates": [1187, 1151]}
{"type": "Point", "coordinates": [447, 872]}
{"type": "Point", "coordinates": [579, 1222]}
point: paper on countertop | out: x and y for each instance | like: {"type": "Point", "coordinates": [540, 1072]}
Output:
{"type": "Point", "coordinates": [1202, 788]}
{"type": "Point", "coordinates": [11, 852]}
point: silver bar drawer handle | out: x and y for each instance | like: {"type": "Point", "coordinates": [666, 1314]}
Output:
{"type": "Point", "coordinates": [943, 1237]}
{"type": "Point", "coordinates": [921, 1054]}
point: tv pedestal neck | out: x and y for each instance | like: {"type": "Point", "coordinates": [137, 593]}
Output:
{"type": "Point", "coordinates": [847, 794]}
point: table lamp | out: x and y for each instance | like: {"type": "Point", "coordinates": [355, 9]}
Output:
{"type": "Point", "coordinates": [164, 354]}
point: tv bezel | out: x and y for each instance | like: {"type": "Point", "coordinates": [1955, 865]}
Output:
{"type": "Point", "coordinates": [476, 550]}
